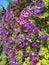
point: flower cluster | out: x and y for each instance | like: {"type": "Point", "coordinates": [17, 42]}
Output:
{"type": "Point", "coordinates": [20, 36]}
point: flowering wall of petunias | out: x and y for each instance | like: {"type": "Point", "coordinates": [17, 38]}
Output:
{"type": "Point", "coordinates": [24, 33]}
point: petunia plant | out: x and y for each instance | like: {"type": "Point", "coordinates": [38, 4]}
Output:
{"type": "Point", "coordinates": [24, 34]}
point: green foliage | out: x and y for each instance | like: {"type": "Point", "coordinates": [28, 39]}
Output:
{"type": "Point", "coordinates": [44, 61]}
{"type": "Point", "coordinates": [33, 0]}
{"type": "Point", "coordinates": [28, 49]}
{"type": "Point", "coordinates": [27, 62]}
{"type": "Point", "coordinates": [38, 63]}
{"type": "Point", "coordinates": [44, 14]}
{"type": "Point", "coordinates": [43, 32]}
{"type": "Point", "coordinates": [44, 54]}
{"type": "Point", "coordinates": [19, 58]}
{"type": "Point", "coordinates": [3, 59]}
{"type": "Point", "coordinates": [13, 37]}
{"type": "Point", "coordinates": [46, 2]}
{"type": "Point", "coordinates": [43, 51]}
{"type": "Point", "coordinates": [0, 49]}
{"type": "Point", "coordinates": [48, 43]}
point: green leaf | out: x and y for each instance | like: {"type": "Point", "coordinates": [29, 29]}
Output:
{"type": "Point", "coordinates": [38, 63]}
{"type": "Point", "coordinates": [27, 62]}
{"type": "Point", "coordinates": [43, 32]}
{"type": "Point", "coordinates": [43, 51]}
{"type": "Point", "coordinates": [28, 49]}
{"type": "Point", "coordinates": [46, 56]}
{"type": "Point", "coordinates": [45, 2]}
{"type": "Point", "coordinates": [3, 59]}
{"type": "Point", "coordinates": [44, 14]}
{"type": "Point", "coordinates": [19, 58]}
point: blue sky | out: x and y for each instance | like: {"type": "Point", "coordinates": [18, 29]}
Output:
{"type": "Point", "coordinates": [4, 3]}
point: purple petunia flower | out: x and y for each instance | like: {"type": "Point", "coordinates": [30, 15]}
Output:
{"type": "Point", "coordinates": [10, 40]}
{"type": "Point", "coordinates": [23, 52]}
{"type": "Point", "coordinates": [45, 37]}
{"type": "Point", "coordinates": [40, 6]}
{"type": "Point", "coordinates": [27, 18]}
{"type": "Point", "coordinates": [22, 45]}
{"type": "Point", "coordinates": [5, 50]}
{"type": "Point", "coordinates": [40, 36]}
{"type": "Point", "coordinates": [34, 62]}
{"type": "Point", "coordinates": [35, 30]}
{"type": "Point", "coordinates": [25, 35]}
{"type": "Point", "coordinates": [26, 43]}
{"type": "Point", "coordinates": [26, 14]}
{"type": "Point", "coordinates": [13, 63]}
{"type": "Point", "coordinates": [8, 23]}
{"type": "Point", "coordinates": [30, 25]}
{"type": "Point", "coordinates": [36, 53]}
{"type": "Point", "coordinates": [8, 9]}
{"type": "Point", "coordinates": [7, 15]}
{"type": "Point", "coordinates": [22, 22]}
{"type": "Point", "coordinates": [13, 59]}
{"type": "Point", "coordinates": [20, 40]}
{"type": "Point", "coordinates": [12, 6]}
{"type": "Point", "coordinates": [39, 9]}
{"type": "Point", "coordinates": [32, 4]}
{"type": "Point", "coordinates": [31, 56]}
{"type": "Point", "coordinates": [33, 44]}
